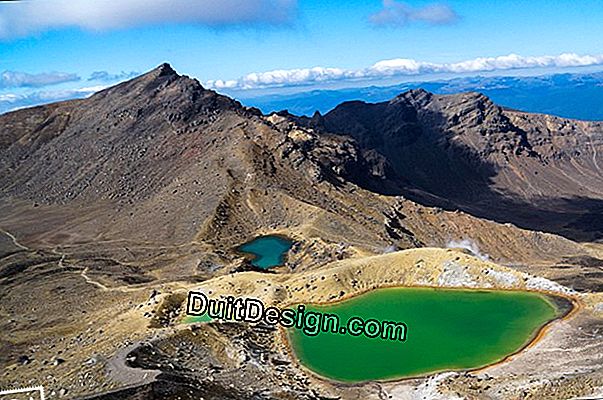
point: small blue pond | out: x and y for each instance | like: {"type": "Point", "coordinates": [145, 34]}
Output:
{"type": "Point", "coordinates": [267, 251]}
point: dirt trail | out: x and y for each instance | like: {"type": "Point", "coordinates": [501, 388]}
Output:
{"type": "Point", "coordinates": [119, 371]}
{"type": "Point", "coordinates": [15, 241]}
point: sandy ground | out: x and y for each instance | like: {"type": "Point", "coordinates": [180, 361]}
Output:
{"type": "Point", "coordinates": [93, 347]}
{"type": "Point", "coordinates": [576, 339]}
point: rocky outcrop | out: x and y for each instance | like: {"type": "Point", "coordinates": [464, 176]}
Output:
{"type": "Point", "coordinates": [463, 151]}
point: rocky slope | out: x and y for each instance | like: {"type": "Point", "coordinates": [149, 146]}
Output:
{"type": "Point", "coordinates": [160, 162]}
{"type": "Point", "coordinates": [462, 151]}
{"type": "Point", "coordinates": [161, 158]}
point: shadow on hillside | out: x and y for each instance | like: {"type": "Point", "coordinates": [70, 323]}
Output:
{"type": "Point", "coordinates": [437, 171]}
{"type": "Point", "coordinates": [577, 218]}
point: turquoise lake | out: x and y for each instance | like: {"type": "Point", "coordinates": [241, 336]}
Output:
{"type": "Point", "coordinates": [267, 251]}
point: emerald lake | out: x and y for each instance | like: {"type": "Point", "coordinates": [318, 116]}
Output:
{"type": "Point", "coordinates": [447, 329]}
{"type": "Point", "coordinates": [267, 251]}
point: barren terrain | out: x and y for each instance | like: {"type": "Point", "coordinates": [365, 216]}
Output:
{"type": "Point", "coordinates": [113, 207]}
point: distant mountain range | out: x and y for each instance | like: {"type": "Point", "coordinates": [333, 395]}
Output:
{"type": "Point", "coordinates": [577, 96]}
{"type": "Point", "coordinates": [170, 153]}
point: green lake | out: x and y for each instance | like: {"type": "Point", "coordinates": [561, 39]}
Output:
{"type": "Point", "coordinates": [190, 319]}
{"type": "Point", "coordinates": [267, 251]}
{"type": "Point", "coordinates": [447, 329]}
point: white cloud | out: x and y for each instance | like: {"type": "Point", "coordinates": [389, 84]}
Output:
{"type": "Point", "coordinates": [277, 78]}
{"type": "Point", "coordinates": [12, 101]}
{"type": "Point", "coordinates": [104, 76]}
{"type": "Point", "coordinates": [21, 18]}
{"type": "Point", "coordinates": [398, 14]}
{"type": "Point", "coordinates": [8, 98]}
{"type": "Point", "coordinates": [15, 79]}
{"type": "Point", "coordinates": [400, 67]}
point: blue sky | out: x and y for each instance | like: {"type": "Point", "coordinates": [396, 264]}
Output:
{"type": "Point", "coordinates": [221, 43]}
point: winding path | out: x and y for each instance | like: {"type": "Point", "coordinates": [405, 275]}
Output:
{"type": "Point", "coordinates": [14, 240]}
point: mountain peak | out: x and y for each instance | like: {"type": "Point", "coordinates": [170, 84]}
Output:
{"type": "Point", "coordinates": [157, 79]}
{"type": "Point", "coordinates": [418, 96]}
{"type": "Point", "coordinates": [417, 92]}
{"type": "Point", "coordinates": [164, 70]}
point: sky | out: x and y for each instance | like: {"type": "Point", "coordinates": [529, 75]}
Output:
{"type": "Point", "coordinates": [56, 49]}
